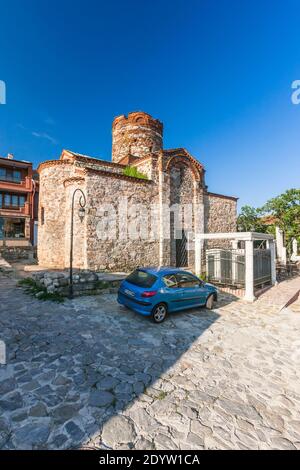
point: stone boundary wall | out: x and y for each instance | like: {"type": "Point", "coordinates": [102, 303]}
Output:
{"type": "Point", "coordinates": [84, 282]}
{"type": "Point", "coordinates": [16, 253]}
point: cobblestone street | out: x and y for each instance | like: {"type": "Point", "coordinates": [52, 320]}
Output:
{"type": "Point", "coordinates": [89, 373]}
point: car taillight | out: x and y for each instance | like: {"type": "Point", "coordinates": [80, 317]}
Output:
{"type": "Point", "coordinates": [150, 293]}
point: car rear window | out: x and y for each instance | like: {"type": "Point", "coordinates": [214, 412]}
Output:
{"type": "Point", "coordinates": [141, 278]}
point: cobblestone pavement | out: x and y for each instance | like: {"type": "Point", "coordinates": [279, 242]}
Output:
{"type": "Point", "coordinates": [88, 373]}
{"type": "Point", "coordinates": [278, 296]}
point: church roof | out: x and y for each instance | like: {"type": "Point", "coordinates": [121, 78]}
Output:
{"type": "Point", "coordinates": [79, 156]}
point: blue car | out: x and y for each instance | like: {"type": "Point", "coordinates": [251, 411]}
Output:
{"type": "Point", "coordinates": [157, 291]}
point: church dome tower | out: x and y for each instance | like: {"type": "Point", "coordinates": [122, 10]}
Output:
{"type": "Point", "coordinates": [137, 134]}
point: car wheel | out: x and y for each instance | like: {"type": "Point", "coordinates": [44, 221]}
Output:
{"type": "Point", "coordinates": [209, 302]}
{"type": "Point", "coordinates": [159, 313]}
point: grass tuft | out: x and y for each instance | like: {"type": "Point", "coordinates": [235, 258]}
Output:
{"type": "Point", "coordinates": [36, 290]}
{"type": "Point", "coordinates": [27, 282]}
{"type": "Point", "coordinates": [162, 395]}
{"type": "Point", "coordinates": [134, 172]}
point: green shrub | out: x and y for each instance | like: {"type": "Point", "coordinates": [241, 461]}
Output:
{"type": "Point", "coordinates": [101, 285]}
{"type": "Point", "coordinates": [33, 288]}
{"type": "Point", "coordinates": [134, 172]}
{"type": "Point", "coordinates": [27, 282]}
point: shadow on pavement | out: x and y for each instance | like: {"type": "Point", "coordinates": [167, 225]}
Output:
{"type": "Point", "coordinates": [73, 368]}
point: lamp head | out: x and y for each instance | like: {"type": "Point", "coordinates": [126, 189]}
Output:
{"type": "Point", "coordinates": [81, 213]}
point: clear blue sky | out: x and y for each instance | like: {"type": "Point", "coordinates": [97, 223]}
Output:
{"type": "Point", "coordinates": [218, 73]}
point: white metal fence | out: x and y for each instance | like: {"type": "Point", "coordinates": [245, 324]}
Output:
{"type": "Point", "coordinates": [227, 267]}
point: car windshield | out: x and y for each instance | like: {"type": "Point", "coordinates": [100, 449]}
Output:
{"type": "Point", "coordinates": [141, 278]}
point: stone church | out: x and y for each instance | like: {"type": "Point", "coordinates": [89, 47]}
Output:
{"type": "Point", "coordinates": [171, 178]}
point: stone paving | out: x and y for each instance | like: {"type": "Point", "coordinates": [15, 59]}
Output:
{"type": "Point", "coordinates": [295, 307]}
{"type": "Point", "coordinates": [279, 296]}
{"type": "Point", "coordinates": [89, 373]}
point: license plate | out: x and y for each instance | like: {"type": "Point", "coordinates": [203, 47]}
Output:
{"type": "Point", "coordinates": [129, 292]}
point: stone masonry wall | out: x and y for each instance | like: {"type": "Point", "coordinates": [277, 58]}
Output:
{"type": "Point", "coordinates": [181, 194]}
{"type": "Point", "coordinates": [174, 177]}
{"type": "Point", "coordinates": [148, 167]}
{"type": "Point", "coordinates": [14, 253]}
{"type": "Point", "coordinates": [79, 226]}
{"type": "Point", "coordinates": [52, 214]}
{"type": "Point", "coordinates": [220, 216]}
{"type": "Point", "coordinates": [137, 134]}
{"type": "Point", "coordinates": [121, 254]}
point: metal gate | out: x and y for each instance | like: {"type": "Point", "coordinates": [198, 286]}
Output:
{"type": "Point", "coordinates": [227, 267]}
{"type": "Point", "coordinates": [262, 267]}
{"type": "Point", "coordinates": [181, 251]}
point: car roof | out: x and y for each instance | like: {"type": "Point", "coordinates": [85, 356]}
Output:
{"type": "Point", "coordinates": [161, 270]}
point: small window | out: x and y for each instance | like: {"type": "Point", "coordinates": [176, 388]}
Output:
{"type": "Point", "coordinates": [21, 201]}
{"type": "Point", "coordinates": [16, 175]}
{"type": "Point", "coordinates": [14, 201]}
{"type": "Point", "coordinates": [12, 228]}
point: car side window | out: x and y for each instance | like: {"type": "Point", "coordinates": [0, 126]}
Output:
{"type": "Point", "coordinates": [170, 281]}
{"type": "Point", "coordinates": [187, 280]}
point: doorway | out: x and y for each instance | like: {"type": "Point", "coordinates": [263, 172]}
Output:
{"type": "Point", "coordinates": [181, 251]}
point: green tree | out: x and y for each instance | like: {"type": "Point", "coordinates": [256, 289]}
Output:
{"type": "Point", "coordinates": [249, 220]}
{"type": "Point", "coordinates": [285, 209]}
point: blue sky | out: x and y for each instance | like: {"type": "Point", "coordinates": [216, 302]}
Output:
{"type": "Point", "coordinates": [218, 73]}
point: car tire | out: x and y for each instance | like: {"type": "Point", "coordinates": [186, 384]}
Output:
{"type": "Point", "coordinates": [159, 313]}
{"type": "Point", "coordinates": [210, 302]}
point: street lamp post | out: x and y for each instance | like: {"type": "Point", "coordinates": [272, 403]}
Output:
{"type": "Point", "coordinates": [81, 213]}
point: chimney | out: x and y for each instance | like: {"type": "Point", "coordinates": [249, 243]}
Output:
{"type": "Point", "coordinates": [10, 156]}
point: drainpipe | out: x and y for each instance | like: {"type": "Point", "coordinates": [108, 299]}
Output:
{"type": "Point", "coordinates": [32, 211]}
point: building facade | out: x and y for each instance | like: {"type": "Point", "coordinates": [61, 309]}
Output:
{"type": "Point", "coordinates": [18, 202]}
{"type": "Point", "coordinates": [129, 221]}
